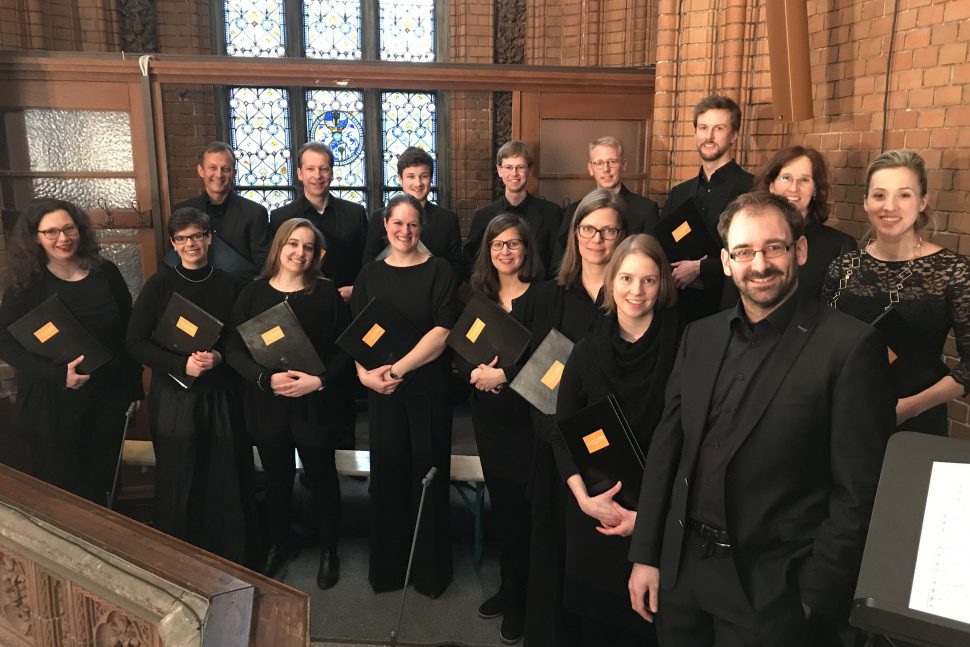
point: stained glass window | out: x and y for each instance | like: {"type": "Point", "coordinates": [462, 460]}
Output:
{"type": "Point", "coordinates": [255, 28]}
{"type": "Point", "coordinates": [336, 118]}
{"type": "Point", "coordinates": [259, 131]}
{"type": "Point", "coordinates": [407, 119]}
{"type": "Point", "coordinates": [407, 30]}
{"type": "Point", "coordinates": [332, 29]}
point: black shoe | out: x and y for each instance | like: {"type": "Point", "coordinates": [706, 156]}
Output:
{"type": "Point", "coordinates": [492, 607]}
{"type": "Point", "coordinates": [513, 626]}
{"type": "Point", "coordinates": [277, 560]}
{"type": "Point", "coordinates": [329, 571]}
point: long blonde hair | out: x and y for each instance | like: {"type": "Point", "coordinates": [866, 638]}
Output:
{"type": "Point", "coordinates": [272, 265]}
{"type": "Point", "coordinates": [572, 263]}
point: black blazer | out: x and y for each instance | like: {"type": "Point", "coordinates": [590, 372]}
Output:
{"type": "Point", "coordinates": [245, 227]}
{"type": "Point", "coordinates": [800, 487]}
{"type": "Point", "coordinates": [441, 234]}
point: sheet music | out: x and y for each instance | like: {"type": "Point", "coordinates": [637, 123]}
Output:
{"type": "Point", "coordinates": [941, 582]}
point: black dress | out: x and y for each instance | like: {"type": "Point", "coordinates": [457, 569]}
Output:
{"type": "Point", "coordinates": [597, 569]}
{"type": "Point", "coordinates": [74, 434]}
{"type": "Point", "coordinates": [934, 299]}
{"type": "Point", "coordinates": [825, 244]}
{"type": "Point", "coordinates": [278, 424]}
{"type": "Point", "coordinates": [410, 431]}
{"type": "Point", "coordinates": [203, 456]}
{"type": "Point", "coordinates": [572, 312]}
{"type": "Point", "coordinates": [503, 433]}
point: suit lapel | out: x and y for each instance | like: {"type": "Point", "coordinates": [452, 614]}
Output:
{"type": "Point", "coordinates": [794, 338]}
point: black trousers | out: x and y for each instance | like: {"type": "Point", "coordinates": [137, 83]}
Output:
{"type": "Point", "coordinates": [320, 470]}
{"type": "Point", "coordinates": [511, 512]}
{"type": "Point", "coordinates": [708, 607]}
{"type": "Point", "coordinates": [409, 433]}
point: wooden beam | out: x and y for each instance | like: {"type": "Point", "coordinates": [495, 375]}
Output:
{"type": "Point", "coordinates": [788, 60]}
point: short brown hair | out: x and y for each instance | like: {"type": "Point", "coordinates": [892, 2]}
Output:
{"type": "Point", "coordinates": [645, 245]}
{"type": "Point", "coordinates": [315, 147]}
{"type": "Point", "coordinates": [272, 265]}
{"type": "Point", "coordinates": [818, 208]}
{"type": "Point", "coordinates": [756, 202]}
{"type": "Point", "coordinates": [719, 102]}
{"type": "Point", "coordinates": [902, 158]}
{"type": "Point", "coordinates": [217, 147]}
{"type": "Point", "coordinates": [572, 263]}
{"type": "Point", "coordinates": [514, 148]}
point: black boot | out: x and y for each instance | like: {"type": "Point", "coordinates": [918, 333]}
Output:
{"type": "Point", "coordinates": [329, 571]}
{"type": "Point", "coordinates": [277, 561]}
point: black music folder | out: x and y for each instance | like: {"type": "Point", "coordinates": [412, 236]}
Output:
{"type": "Point", "coordinates": [277, 341]}
{"type": "Point", "coordinates": [913, 363]}
{"type": "Point", "coordinates": [538, 381]}
{"type": "Point", "coordinates": [901, 592]}
{"type": "Point", "coordinates": [684, 235]}
{"type": "Point", "coordinates": [378, 336]}
{"type": "Point", "coordinates": [185, 328]}
{"type": "Point", "coordinates": [52, 332]}
{"type": "Point", "coordinates": [605, 450]}
{"type": "Point", "coordinates": [485, 330]}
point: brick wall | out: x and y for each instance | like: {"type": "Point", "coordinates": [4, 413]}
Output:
{"type": "Point", "coordinates": [64, 25]}
{"type": "Point", "coordinates": [708, 46]}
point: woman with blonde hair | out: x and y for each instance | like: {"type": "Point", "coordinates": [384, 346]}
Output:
{"type": "Point", "coordinates": [919, 289]}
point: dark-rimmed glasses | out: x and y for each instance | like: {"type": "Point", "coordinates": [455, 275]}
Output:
{"type": "Point", "coordinates": [771, 250]}
{"type": "Point", "coordinates": [589, 231]}
{"type": "Point", "coordinates": [54, 232]}
{"type": "Point", "coordinates": [196, 237]}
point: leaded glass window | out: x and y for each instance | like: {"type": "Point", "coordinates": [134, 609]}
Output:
{"type": "Point", "coordinates": [255, 28]}
{"type": "Point", "coordinates": [336, 118]}
{"type": "Point", "coordinates": [259, 132]}
{"type": "Point", "coordinates": [332, 29]}
{"type": "Point", "coordinates": [407, 30]}
{"type": "Point", "coordinates": [407, 119]}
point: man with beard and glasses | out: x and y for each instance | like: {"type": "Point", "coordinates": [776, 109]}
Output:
{"type": "Point", "coordinates": [717, 120]}
{"type": "Point", "coordinates": [761, 475]}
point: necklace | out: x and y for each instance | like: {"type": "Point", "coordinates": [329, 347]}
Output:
{"type": "Point", "coordinates": [177, 271]}
{"type": "Point", "coordinates": [855, 262]}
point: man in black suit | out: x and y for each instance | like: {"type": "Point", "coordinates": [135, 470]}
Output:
{"type": "Point", "coordinates": [342, 223]}
{"type": "Point", "coordinates": [760, 478]}
{"type": "Point", "coordinates": [238, 222]}
{"type": "Point", "coordinates": [717, 120]}
{"type": "Point", "coordinates": [513, 163]}
{"type": "Point", "coordinates": [606, 166]}
{"type": "Point", "coordinates": [440, 233]}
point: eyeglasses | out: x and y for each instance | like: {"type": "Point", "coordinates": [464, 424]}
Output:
{"type": "Point", "coordinates": [196, 237]}
{"type": "Point", "coordinates": [54, 232]}
{"type": "Point", "coordinates": [514, 169]}
{"type": "Point", "coordinates": [771, 250]}
{"type": "Point", "coordinates": [599, 164]}
{"type": "Point", "coordinates": [497, 245]}
{"type": "Point", "coordinates": [786, 180]}
{"type": "Point", "coordinates": [588, 231]}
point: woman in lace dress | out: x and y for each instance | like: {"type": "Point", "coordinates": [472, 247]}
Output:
{"type": "Point", "coordinates": [918, 289]}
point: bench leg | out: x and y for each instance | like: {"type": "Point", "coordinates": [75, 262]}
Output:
{"type": "Point", "coordinates": [477, 508]}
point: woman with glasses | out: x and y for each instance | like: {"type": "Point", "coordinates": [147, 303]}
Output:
{"type": "Point", "coordinates": [505, 267]}
{"type": "Point", "coordinates": [799, 174]}
{"type": "Point", "coordinates": [571, 304]}
{"type": "Point", "coordinates": [911, 288]}
{"type": "Point", "coordinates": [409, 408]}
{"type": "Point", "coordinates": [72, 421]}
{"type": "Point", "coordinates": [629, 354]}
{"type": "Point", "coordinates": [203, 457]}
{"type": "Point", "coordinates": [287, 410]}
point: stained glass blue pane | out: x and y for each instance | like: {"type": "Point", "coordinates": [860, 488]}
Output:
{"type": "Point", "coordinates": [407, 30]}
{"type": "Point", "coordinates": [407, 119]}
{"type": "Point", "coordinates": [271, 199]}
{"type": "Point", "coordinates": [336, 118]}
{"type": "Point", "coordinates": [358, 196]}
{"type": "Point", "coordinates": [259, 132]}
{"type": "Point", "coordinates": [332, 29]}
{"type": "Point", "coordinates": [255, 28]}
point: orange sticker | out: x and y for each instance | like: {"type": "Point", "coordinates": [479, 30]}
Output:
{"type": "Point", "coordinates": [45, 332]}
{"type": "Point", "coordinates": [681, 231]}
{"type": "Point", "coordinates": [272, 335]}
{"type": "Point", "coordinates": [374, 334]}
{"type": "Point", "coordinates": [553, 375]}
{"type": "Point", "coordinates": [475, 330]}
{"type": "Point", "coordinates": [186, 326]}
{"type": "Point", "coordinates": [596, 441]}
{"type": "Point", "coordinates": [892, 355]}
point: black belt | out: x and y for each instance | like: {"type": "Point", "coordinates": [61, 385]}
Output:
{"type": "Point", "coordinates": [718, 541]}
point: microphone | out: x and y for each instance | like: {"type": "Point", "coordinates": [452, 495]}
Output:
{"type": "Point", "coordinates": [430, 476]}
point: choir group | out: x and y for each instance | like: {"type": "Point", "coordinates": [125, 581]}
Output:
{"type": "Point", "coordinates": [743, 340]}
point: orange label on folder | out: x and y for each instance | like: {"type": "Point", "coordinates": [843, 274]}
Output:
{"type": "Point", "coordinates": [375, 333]}
{"type": "Point", "coordinates": [553, 375]}
{"type": "Point", "coordinates": [596, 441]}
{"type": "Point", "coordinates": [46, 331]}
{"type": "Point", "coordinates": [681, 231]}
{"type": "Point", "coordinates": [186, 326]}
{"type": "Point", "coordinates": [892, 354]}
{"type": "Point", "coordinates": [475, 330]}
{"type": "Point", "coordinates": [272, 335]}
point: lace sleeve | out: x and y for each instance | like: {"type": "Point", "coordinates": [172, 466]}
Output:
{"type": "Point", "coordinates": [958, 304]}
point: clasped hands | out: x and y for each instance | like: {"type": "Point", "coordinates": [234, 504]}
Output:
{"type": "Point", "coordinates": [614, 519]}
{"type": "Point", "coordinates": [379, 379]}
{"type": "Point", "coordinates": [294, 384]}
{"type": "Point", "coordinates": [201, 361]}
{"type": "Point", "coordinates": [485, 377]}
